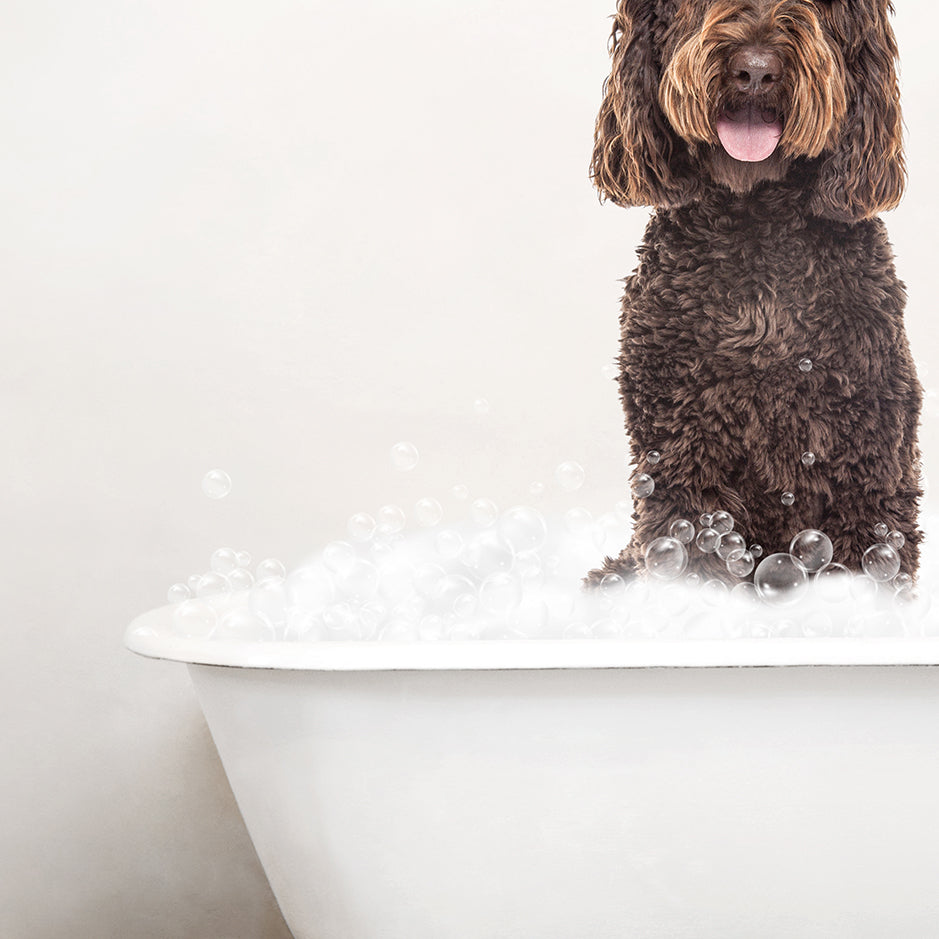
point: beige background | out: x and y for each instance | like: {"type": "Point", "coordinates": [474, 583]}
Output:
{"type": "Point", "coordinates": [276, 238]}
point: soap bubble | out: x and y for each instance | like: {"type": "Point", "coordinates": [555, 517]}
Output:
{"type": "Point", "coordinates": [705, 520]}
{"type": "Point", "coordinates": [653, 457]}
{"type": "Point", "coordinates": [271, 567]}
{"type": "Point", "coordinates": [192, 581]}
{"type": "Point", "coordinates": [834, 582]}
{"type": "Point", "coordinates": [310, 588]}
{"type": "Point", "coordinates": [578, 520]}
{"type": "Point", "coordinates": [708, 539]}
{"type": "Point", "coordinates": [896, 539]}
{"type": "Point", "coordinates": [427, 578]}
{"type": "Point", "coordinates": [404, 456]}
{"type": "Point", "coordinates": [269, 597]}
{"type": "Point", "coordinates": [813, 548]}
{"type": "Point", "coordinates": [488, 553]}
{"type": "Point", "coordinates": [682, 530]}
{"type": "Point", "coordinates": [881, 563]}
{"type": "Point", "coordinates": [245, 625]}
{"type": "Point", "coordinates": [864, 588]}
{"type": "Point", "coordinates": [722, 522]}
{"type": "Point", "coordinates": [808, 458]}
{"type": "Point", "coordinates": [643, 486]}
{"type": "Point", "coordinates": [881, 530]}
{"type": "Point", "coordinates": [341, 622]}
{"type": "Point", "coordinates": [243, 558]}
{"type": "Point", "coordinates": [450, 589]}
{"type": "Point", "coordinates": [216, 484]}
{"type": "Point", "coordinates": [391, 518]}
{"type": "Point", "coordinates": [460, 492]}
{"type": "Point", "coordinates": [485, 512]}
{"type": "Point", "coordinates": [730, 543]}
{"type": "Point", "coordinates": [745, 592]}
{"type": "Point", "coordinates": [780, 580]}
{"type": "Point", "coordinates": [756, 550]}
{"type": "Point", "coordinates": [666, 558]}
{"type": "Point", "coordinates": [914, 602]}
{"type": "Point", "coordinates": [610, 371]}
{"type": "Point", "coordinates": [240, 579]}
{"type": "Point", "coordinates": [570, 475]}
{"type": "Point", "coordinates": [464, 604]}
{"type": "Point", "coordinates": [448, 543]}
{"type": "Point", "coordinates": [429, 512]}
{"type": "Point", "coordinates": [212, 584]}
{"type": "Point", "coordinates": [481, 406]}
{"type": "Point", "coordinates": [537, 489]}
{"type": "Point", "coordinates": [361, 526]}
{"type": "Point", "coordinates": [612, 587]}
{"type": "Point", "coordinates": [805, 365]}
{"type": "Point", "coordinates": [500, 594]}
{"type": "Point", "coordinates": [338, 555]}
{"type": "Point", "coordinates": [788, 498]}
{"type": "Point", "coordinates": [740, 563]}
{"type": "Point", "coordinates": [714, 592]}
{"type": "Point", "coordinates": [194, 619]}
{"type": "Point", "coordinates": [223, 561]}
{"type": "Point", "coordinates": [430, 628]}
{"type": "Point", "coordinates": [523, 528]}
{"type": "Point", "coordinates": [359, 580]}
{"type": "Point", "coordinates": [901, 581]}
{"type": "Point", "coordinates": [177, 593]}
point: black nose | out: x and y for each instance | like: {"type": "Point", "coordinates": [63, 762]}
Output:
{"type": "Point", "coordinates": [754, 70]}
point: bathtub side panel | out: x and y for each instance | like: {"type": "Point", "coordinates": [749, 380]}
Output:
{"type": "Point", "coordinates": [563, 804]}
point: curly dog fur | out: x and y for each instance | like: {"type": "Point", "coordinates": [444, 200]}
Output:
{"type": "Point", "coordinates": [752, 263]}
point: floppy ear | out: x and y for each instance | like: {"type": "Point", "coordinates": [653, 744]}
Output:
{"type": "Point", "coordinates": [865, 173]}
{"type": "Point", "coordinates": [637, 157]}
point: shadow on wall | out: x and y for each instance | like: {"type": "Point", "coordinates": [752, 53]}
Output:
{"type": "Point", "coordinates": [165, 852]}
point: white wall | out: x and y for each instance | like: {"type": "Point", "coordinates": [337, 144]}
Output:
{"type": "Point", "coordinates": [276, 238]}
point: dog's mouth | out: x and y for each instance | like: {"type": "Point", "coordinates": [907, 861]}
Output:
{"type": "Point", "coordinates": [750, 134]}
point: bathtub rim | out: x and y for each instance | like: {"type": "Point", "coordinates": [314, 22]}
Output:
{"type": "Point", "coordinates": [150, 635]}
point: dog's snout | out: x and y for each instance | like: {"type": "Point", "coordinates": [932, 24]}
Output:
{"type": "Point", "coordinates": [754, 70]}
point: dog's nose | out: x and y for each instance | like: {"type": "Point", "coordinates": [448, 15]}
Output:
{"type": "Point", "coordinates": [754, 70]}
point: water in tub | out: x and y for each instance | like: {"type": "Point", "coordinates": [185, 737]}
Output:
{"type": "Point", "coordinates": [515, 573]}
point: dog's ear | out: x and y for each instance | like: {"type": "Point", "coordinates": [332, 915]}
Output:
{"type": "Point", "coordinates": [637, 157]}
{"type": "Point", "coordinates": [865, 173]}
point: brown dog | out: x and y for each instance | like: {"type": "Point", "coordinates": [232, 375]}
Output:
{"type": "Point", "coordinates": [763, 350]}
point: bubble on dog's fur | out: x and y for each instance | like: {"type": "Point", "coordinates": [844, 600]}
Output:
{"type": "Point", "coordinates": [708, 539]}
{"type": "Point", "coordinates": [896, 539]}
{"type": "Point", "coordinates": [788, 498]}
{"type": "Point", "coordinates": [643, 486]}
{"type": "Point", "coordinates": [404, 456]}
{"type": "Point", "coordinates": [756, 550]}
{"type": "Point", "coordinates": [704, 520]}
{"type": "Point", "coordinates": [812, 548]}
{"type": "Point", "coordinates": [881, 563]}
{"type": "Point", "coordinates": [653, 457]}
{"type": "Point", "coordinates": [682, 530]}
{"type": "Point", "coordinates": [740, 563]}
{"type": "Point", "coordinates": [722, 522]}
{"type": "Point", "coordinates": [666, 558]}
{"type": "Point", "coordinates": [570, 475]}
{"type": "Point", "coordinates": [216, 484]}
{"type": "Point", "coordinates": [808, 458]}
{"type": "Point", "coordinates": [881, 530]}
{"type": "Point", "coordinates": [805, 365]}
{"type": "Point", "coordinates": [780, 580]}
{"type": "Point", "coordinates": [731, 542]}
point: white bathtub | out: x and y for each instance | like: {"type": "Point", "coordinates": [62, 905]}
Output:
{"type": "Point", "coordinates": [582, 790]}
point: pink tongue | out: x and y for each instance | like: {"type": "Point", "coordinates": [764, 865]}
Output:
{"type": "Point", "coordinates": [746, 136]}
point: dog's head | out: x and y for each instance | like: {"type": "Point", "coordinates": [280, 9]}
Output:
{"type": "Point", "coordinates": [737, 92]}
